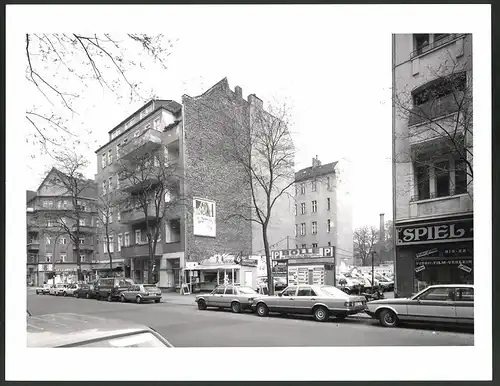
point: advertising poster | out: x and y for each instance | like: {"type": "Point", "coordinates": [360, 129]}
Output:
{"type": "Point", "coordinates": [203, 217]}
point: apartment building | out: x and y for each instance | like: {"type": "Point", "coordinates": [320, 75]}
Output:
{"type": "Point", "coordinates": [202, 241]}
{"type": "Point", "coordinates": [51, 250]}
{"type": "Point", "coordinates": [323, 208]}
{"type": "Point", "coordinates": [432, 160]}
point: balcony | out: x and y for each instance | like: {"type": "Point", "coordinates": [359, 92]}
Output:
{"type": "Point", "coordinates": [458, 203]}
{"type": "Point", "coordinates": [84, 228]}
{"type": "Point", "coordinates": [137, 183]}
{"type": "Point", "coordinates": [172, 247]}
{"type": "Point", "coordinates": [85, 248]}
{"type": "Point", "coordinates": [437, 43]}
{"type": "Point", "coordinates": [33, 246]}
{"type": "Point", "coordinates": [140, 250]}
{"type": "Point", "coordinates": [147, 141]}
{"type": "Point", "coordinates": [136, 215]}
{"type": "Point", "coordinates": [435, 108]}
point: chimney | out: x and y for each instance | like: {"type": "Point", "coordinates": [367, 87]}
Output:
{"type": "Point", "coordinates": [382, 227]}
{"type": "Point", "coordinates": [316, 162]}
{"type": "Point", "coordinates": [255, 101]}
{"type": "Point", "coordinates": [239, 92]}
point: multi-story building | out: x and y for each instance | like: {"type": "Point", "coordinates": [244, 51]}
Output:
{"type": "Point", "coordinates": [50, 247]}
{"type": "Point", "coordinates": [323, 208]}
{"type": "Point", "coordinates": [432, 160]}
{"type": "Point", "coordinates": [200, 242]}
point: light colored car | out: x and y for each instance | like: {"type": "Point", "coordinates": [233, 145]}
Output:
{"type": "Point", "coordinates": [74, 330]}
{"type": "Point", "coordinates": [140, 293]}
{"type": "Point", "coordinates": [321, 301]}
{"type": "Point", "coordinates": [444, 303]}
{"type": "Point", "coordinates": [44, 289]}
{"type": "Point", "coordinates": [71, 289]}
{"type": "Point", "coordinates": [58, 289]}
{"type": "Point", "coordinates": [235, 297]}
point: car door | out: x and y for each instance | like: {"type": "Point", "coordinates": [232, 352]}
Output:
{"type": "Point", "coordinates": [228, 296]}
{"type": "Point", "coordinates": [214, 299]}
{"type": "Point", "coordinates": [464, 305]}
{"type": "Point", "coordinates": [434, 305]}
{"type": "Point", "coordinates": [285, 302]}
{"type": "Point", "coordinates": [304, 301]}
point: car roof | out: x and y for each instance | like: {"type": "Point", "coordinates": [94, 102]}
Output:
{"type": "Point", "coordinates": [451, 286]}
{"type": "Point", "coordinates": [61, 329]}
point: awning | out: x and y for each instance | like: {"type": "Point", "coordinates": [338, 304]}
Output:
{"type": "Point", "coordinates": [214, 267]}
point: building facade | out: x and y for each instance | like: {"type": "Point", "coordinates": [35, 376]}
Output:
{"type": "Point", "coordinates": [323, 209]}
{"type": "Point", "coordinates": [51, 251]}
{"type": "Point", "coordinates": [432, 160]}
{"type": "Point", "coordinates": [203, 242]}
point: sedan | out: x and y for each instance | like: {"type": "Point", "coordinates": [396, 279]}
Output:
{"type": "Point", "coordinates": [44, 289]}
{"type": "Point", "coordinates": [235, 297]}
{"type": "Point", "coordinates": [71, 290]}
{"type": "Point", "coordinates": [140, 293]}
{"type": "Point", "coordinates": [450, 303]}
{"type": "Point", "coordinates": [86, 290]}
{"type": "Point", "coordinates": [321, 301]}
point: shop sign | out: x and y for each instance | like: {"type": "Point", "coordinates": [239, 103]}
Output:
{"type": "Point", "coordinates": [301, 253]}
{"type": "Point", "coordinates": [428, 252]}
{"type": "Point", "coordinates": [442, 262]}
{"type": "Point", "coordinates": [465, 268]}
{"type": "Point", "coordinates": [457, 252]}
{"type": "Point", "coordinates": [280, 268]}
{"type": "Point", "coordinates": [218, 259]}
{"type": "Point", "coordinates": [457, 231]}
{"type": "Point", "coordinates": [419, 268]}
{"type": "Point", "coordinates": [45, 267]}
{"type": "Point", "coordinates": [249, 262]}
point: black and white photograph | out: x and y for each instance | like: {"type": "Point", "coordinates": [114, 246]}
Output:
{"type": "Point", "coordinates": [248, 181]}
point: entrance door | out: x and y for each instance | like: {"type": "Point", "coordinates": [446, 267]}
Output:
{"type": "Point", "coordinates": [248, 278]}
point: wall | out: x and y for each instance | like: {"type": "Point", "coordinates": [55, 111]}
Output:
{"type": "Point", "coordinates": [343, 202]}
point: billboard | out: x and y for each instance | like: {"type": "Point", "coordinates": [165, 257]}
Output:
{"type": "Point", "coordinates": [203, 217]}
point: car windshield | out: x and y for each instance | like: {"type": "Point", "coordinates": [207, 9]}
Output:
{"type": "Point", "coordinates": [145, 339]}
{"type": "Point", "coordinates": [333, 291]}
{"type": "Point", "coordinates": [246, 290]}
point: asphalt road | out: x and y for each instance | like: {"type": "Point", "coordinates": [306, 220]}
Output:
{"type": "Point", "coordinates": [186, 326]}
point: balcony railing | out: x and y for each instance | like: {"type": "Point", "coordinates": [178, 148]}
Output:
{"type": "Point", "coordinates": [147, 141]}
{"type": "Point", "coordinates": [85, 247]}
{"type": "Point", "coordinates": [85, 228]}
{"type": "Point", "coordinates": [433, 45]}
{"type": "Point", "coordinates": [140, 250]}
{"type": "Point", "coordinates": [34, 245]}
{"type": "Point", "coordinates": [432, 195]}
{"type": "Point", "coordinates": [136, 215]}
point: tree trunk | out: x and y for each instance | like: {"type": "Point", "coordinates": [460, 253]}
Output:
{"type": "Point", "coordinates": [270, 281]}
{"type": "Point", "coordinates": [109, 252]}
{"type": "Point", "coordinates": [150, 262]}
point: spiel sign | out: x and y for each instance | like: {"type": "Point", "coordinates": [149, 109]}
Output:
{"type": "Point", "coordinates": [435, 233]}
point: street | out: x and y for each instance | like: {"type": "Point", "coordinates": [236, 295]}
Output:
{"type": "Point", "coordinates": [186, 326]}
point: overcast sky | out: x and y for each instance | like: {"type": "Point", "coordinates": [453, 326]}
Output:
{"type": "Point", "coordinates": [336, 76]}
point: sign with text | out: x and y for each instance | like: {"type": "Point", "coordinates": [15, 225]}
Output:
{"type": "Point", "coordinates": [280, 268]}
{"type": "Point", "coordinates": [439, 261]}
{"type": "Point", "coordinates": [204, 217]}
{"type": "Point", "coordinates": [301, 253]}
{"type": "Point", "coordinates": [439, 232]}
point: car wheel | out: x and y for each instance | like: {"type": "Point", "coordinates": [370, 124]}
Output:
{"type": "Point", "coordinates": [122, 299]}
{"type": "Point", "coordinates": [388, 318]}
{"type": "Point", "coordinates": [262, 309]}
{"type": "Point", "coordinates": [236, 307]}
{"type": "Point", "coordinates": [64, 293]}
{"type": "Point", "coordinates": [110, 298]}
{"type": "Point", "coordinates": [202, 305]}
{"type": "Point", "coordinates": [320, 314]}
{"type": "Point", "coordinates": [157, 300]}
{"type": "Point", "coordinates": [138, 299]}
{"type": "Point", "coordinates": [37, 292]}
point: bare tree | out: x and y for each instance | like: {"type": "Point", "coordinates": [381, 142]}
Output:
{"type": "Point", "coordinates": [260, 145]}
{"type": "Point", "coordinates": [155, 181]}
{"type": "Point", "coordinates": [81, 192]}
{"type": "Point", "coordinates": [440, 115]}
{"type": "Point", "coordinates": [365, 239]}
{"type": "Point", "coordinates": [107, 205]}
{"type": "Point", "coordinates": [61, 67]}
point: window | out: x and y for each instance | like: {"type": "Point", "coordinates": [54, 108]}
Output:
{"type": "Point", "coordinates": [59, 204]}
{"type": "Point", "coordinates": [50, 204]}
{"type": "Point", "coordinates": [423, 186]}
{"type": "Point", "coordinates": [314, 205]}
{"type": "Point", "coordinates": [81, 240]}
{"type": "Point", "coordinates": [110, 183]}
{"type": "Point", "coordinates": [439, 88]}
{"type": "Point", "coordinates": [104, 160]}
{"type": "Point", "coordinates": [290, 291]}
{"type": "Point", "coordinates": [302, 188]}
{"type": "Point", "coordinates": [110, 157]}
{"type": "Point", "coordinates": [295, 211]}
{"type": "Point", "coordinates": [48, 257]}
{"type": "Point", "coordinates": [315, 245]}
{"type": "Point", "coordinates": [303, 246]}
{"type": "Point", "coordinates": [327, 204]}
{"type": "Point", "coordinates": [111, 244]}
{"type": "Point", "coordinates": [110, 216]}
{"type": "Point", "coordinates": [47, 239]}
{"type": "Point", "coordinates": [117, 182]}
{"type": "Point", "coordinates": [50, 223]}
{"type": "Point", "coordinates": [313, 185]}
{"type": "Point", "coordinates": [296, 230]}
{"type": "Point", "coordinates": [303, 229]}
{"type": "Point", "coordinates": [438, 37]}
{"type": "Point", "coordinates": [314, 227]}
{"type": "Point", "coordinates": [460, 177]}
{"type": "Point", "coordinates": [120, 240]}
{"type": "Point", "coordinates": [118, 216]}
{"type": "Point", "coordinates": [442, 172]}
{"type": "Point", "coordinates": [156, 123]}
{"type": "Point", "coordinates": [62, 257]}
{"type": "Point", "coordinates": [62, 240]}
{"type": "Point", "coordinates": [328, 225]}
{"type": "Point", "coordinates": [104, 187]}
{"type": "Point", "coordinates": [137, 236]}
{"type": "Point", "coordinates": [65, 204]}
{"type": "Point", "coordinates": [82, 222]}
{"type": "Point", "coordinates": [305, 291]}
{"type": "Point", "coordinates": [328, 182]}
{"type": "Point", "coordinates": [438, 294]}
{"type": "Point", "coordinates": [127, 239]}
{"type": "Point", "coordinates": [82, 258]}
{"type": "Point", "coordinates": [303, 208]}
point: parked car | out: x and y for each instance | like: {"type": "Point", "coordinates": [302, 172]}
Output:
{"type": "Point", "coordinates": [60, 289]}
{"type": "Point", "coordinates": [140, 293]}
{"type": "Point", "coordinates": [53, 289]}
{"type": "Point", "coordinates": [71, 289]}
{"type": "Point", "coordinates": [43, 289]}
{"type": "Point", "coordinates": [235, 297]}
{"type": "Point", "coordinates": [110, 288]}
{"type": "Point", "coordinates": [86, 290]}
{"type": "Point", "coordinates": [73, 330]}
{"type": "Point", "coordinates": [445, 303]}
{"type": "Point", "coordinates": [322, 301]}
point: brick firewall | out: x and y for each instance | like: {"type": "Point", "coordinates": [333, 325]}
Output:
{"type": "Point", "coordinates": [208, 174]}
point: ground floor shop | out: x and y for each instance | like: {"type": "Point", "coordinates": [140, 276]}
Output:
{"type": "Point", "coordinates": [440, 251]}
{"type": "Point", "coordinates": [38, 274]}
{"type": "Point", "coordinates": [139, 270]}
{"type": "Point", "coordinates": [311, 271]}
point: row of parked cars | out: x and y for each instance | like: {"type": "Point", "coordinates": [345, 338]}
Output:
{"type": "Point", "coordinates": [450, 303]}
{"type": "Point", "coordinates": [110, 289]}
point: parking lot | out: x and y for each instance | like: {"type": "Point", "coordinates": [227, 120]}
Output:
{"type": "Point", "coordinates": [186, 326]}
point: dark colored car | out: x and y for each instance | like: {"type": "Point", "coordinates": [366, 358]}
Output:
{"type": "Point", "coordinates": [111, 288]}
{"type": "Point", "coordinates": [87, 290]}
{"type": "Point", "coordinates": [74, 330]}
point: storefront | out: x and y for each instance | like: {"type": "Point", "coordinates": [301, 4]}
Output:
{"type": "Point", "coordinates": [305, 265]}
{"type": "Point", "coordinates": [434, 252]}
{"type": "Point", "coordinates": [104, 269]}
{"type": "Point", "coordinates": [139, 268]}
{"type": "Point", "coordinates": [170, 271]}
